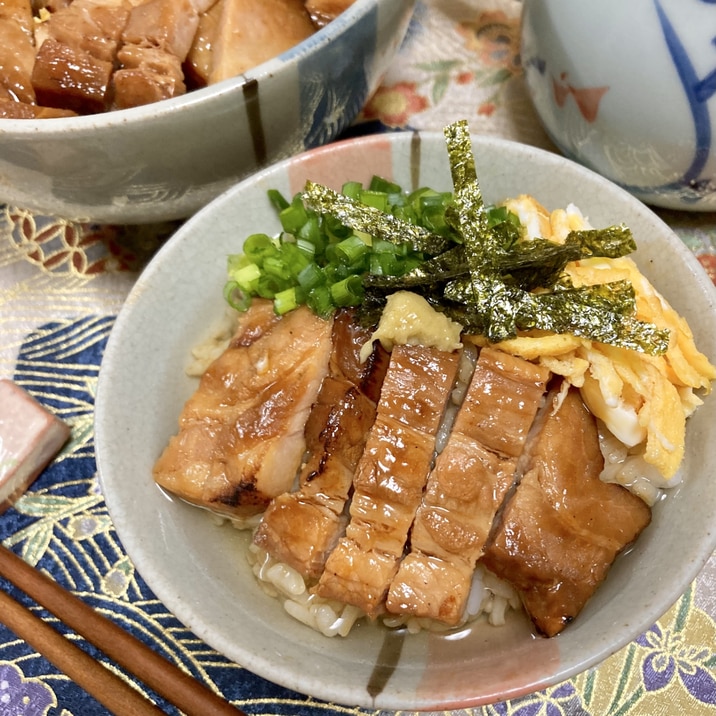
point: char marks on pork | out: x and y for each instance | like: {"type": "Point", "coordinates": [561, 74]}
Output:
{"type": "Point", "coordinates": [390, 477]}
{"type": "Point", "coordinates": [241, 434]}
{"type": "Point", "coordinates": [563, 527]}
{"type": "Point", "coordinates": [301, 528]}
{"type": "Point", "coordinates": [467, 486]}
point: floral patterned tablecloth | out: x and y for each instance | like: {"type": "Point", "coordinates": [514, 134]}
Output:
{"type": "Point", "coordinates": [63, 283]}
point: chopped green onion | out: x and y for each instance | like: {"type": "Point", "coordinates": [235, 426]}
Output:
{"type": "Point", "coordinates": [277, 199]}
{"type": "Point", "coordinates": [348, 292]}
{"type": "Point", "coordinates": [352, 189]}
{"type": "Point", "coordinates": [319, 301]}
{"type": "Point", "coordinates": [382, 185]}
{"type": "Point", "coordinates": [235, 297]}
{"type": "Point", "coordinates": [286, 300]}
{"type": "Point", "coordinates": [246, 278]}
{"type": "Point", "coordinates": [376, 199]}
{"type": "Point", "coordinates": [257, 246]}
{"type": "Point", "coordinates": [311, 276]}
{"type": "Point", "coordinates": [294, 216]}
{"type": "Point", "coordinates": [351, 250]}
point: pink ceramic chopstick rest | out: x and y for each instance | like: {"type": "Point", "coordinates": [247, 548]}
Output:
{"type": "Point", "coordinates": [30, 436]}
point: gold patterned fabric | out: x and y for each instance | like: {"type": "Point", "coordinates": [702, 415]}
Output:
{"type": "Point", "coordinates": [61, 287]}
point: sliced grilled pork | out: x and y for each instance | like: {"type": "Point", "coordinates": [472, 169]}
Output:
{"type": "Point", "coordinates": [241, 435]}
{"type": "Point", "coordinates": [563, 527]}
{"type": "Point", "coordinates": [390, 477]}
{"type": "Point", "coordinates": [302, 527]}
{"type": "Point", "coordinates": [253, 31]}
{"type": "Point", "coordinates": [467, 487]}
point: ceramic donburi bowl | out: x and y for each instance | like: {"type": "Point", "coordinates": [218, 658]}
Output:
{"type": "Point", "coordinates": [200, 570]}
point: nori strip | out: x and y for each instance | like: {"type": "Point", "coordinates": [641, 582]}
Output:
{"type": "Point", "coordinates": [440, 268]}
{"type": "Point", "coordinates": [601, 313]}
{"type": "Point", "coordinates": [539, 263]}
{"type": "Point", "coordinates": [370, 220]}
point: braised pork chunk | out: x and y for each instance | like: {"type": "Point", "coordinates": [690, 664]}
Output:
{"type": "Point", "coordinates": [241, 435]}
{"type": "Point", "coordinates": [17, 51]}
{"type": "Point", "coordinates": [77, 49]}
{"type": "Point", "coordinates": [563, 527]}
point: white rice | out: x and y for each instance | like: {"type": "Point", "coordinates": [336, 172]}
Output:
{"type": "Point", "coordinates": [278, 580]}
{"type": "Point", "coordinates": [490, 599]}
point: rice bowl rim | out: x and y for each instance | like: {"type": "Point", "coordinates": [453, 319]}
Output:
{"type": "Point", "coordinates": [579, 646]}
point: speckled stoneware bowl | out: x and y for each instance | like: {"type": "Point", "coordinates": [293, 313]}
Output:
{"type": "Point", "coordinates": [166, 160]}
{"type": "Point", "coordinates": [200, 570]}
{"type": "Point", "coordinates": [627, 88]}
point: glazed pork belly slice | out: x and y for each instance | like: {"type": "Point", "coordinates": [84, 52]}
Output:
{"type": "Point", "coordinates": [471, 478]}
{"type": "Point", "coordinates": [390, 477]}
{"type": "Point", "coordinates": [253, 31]}
{"type": "Point", "coordinates": [563, 527]}
{"type": "Point", "coordinates": [301, 528]}
{"type": "Point", "coordinates": [241, 434]}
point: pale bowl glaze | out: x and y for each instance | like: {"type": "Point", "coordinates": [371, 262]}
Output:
{"type": "Point", "coordinates": [165, 160]}
{"type": "Point", "coordinates": [200, 571]}
{"type": "Point", "coordinates": [629, 90]}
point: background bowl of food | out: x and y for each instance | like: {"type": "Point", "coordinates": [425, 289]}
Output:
{"type": "Point", "coordinates": [224, 590]}
{"type": "Point", "coordinates": [627, 89]}
{"type": "Point", "coordinates": [152, 109]}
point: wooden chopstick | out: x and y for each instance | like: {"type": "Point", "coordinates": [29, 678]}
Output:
{"type": "Point", "coordinates": [117, 695]}
{"type": "Point", "coordinates": [163, 677]}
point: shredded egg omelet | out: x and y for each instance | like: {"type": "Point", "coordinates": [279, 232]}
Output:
{"type": "Point", "coordinates": [643, 400]}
